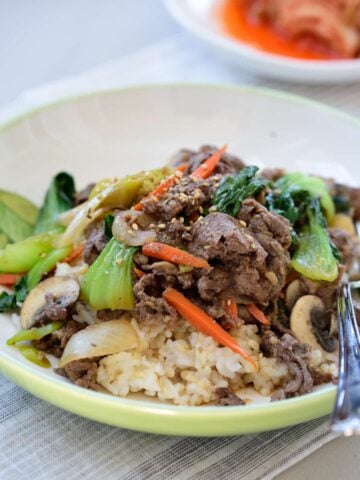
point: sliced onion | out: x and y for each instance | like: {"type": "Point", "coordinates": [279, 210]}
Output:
{"type": "Point", "coordinates": [101, 339]}
{"type": "Point", "coordinates": [123, 232]}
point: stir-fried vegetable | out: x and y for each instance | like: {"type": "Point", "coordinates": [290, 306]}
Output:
{"type": "Point", "coordinates": [35, 333]}
{"type": "Point", "coordinates": [9, 279]}
{"type": "Point", "coordinates": [21, 256]}
{"type": "Point", "coordinates": [233, 190]}
{"type": "Point", "coordinates": [258, 314]}
{"type": "Point", "coordinates": [34, 355]}
{"type": "Point", "coordinates": [207, 325]}
{"type": "Point", "coordinates": [231, 308]}
{"type": "Point", "coordinates": [207, 167]}
{"type": "Point", "coordinates": [314, 256]}
{"type": "Point", "coordinates": [120, 195]}
{"type": "Point", "coordinates": [108, 282]}
{"type": "Point", "coordinates": [59, 198]}
{"type": "Point", "coordinates": [293, 183]}
{"type": "Point", "coordinates": [43, 266]}
{"type": "Point", "coordinates": [165, 252]}
{"type": "Point", "coordinates": [11, 301]}
{"type": "Point", "coordinates": [107, 338]}
{"type": "Point", "coordinates": [17, 217]}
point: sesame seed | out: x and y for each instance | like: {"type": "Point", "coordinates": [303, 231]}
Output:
{"type": "Point", "coordinates": [152, 225]}
{"type": "Point", "coordinates": [181, 219]}
{"type": "Point", "coordinates": [135, 226]}
{"type": "Point", "coordinates": [161, 226]}
{"type": "Point", "coordinates": [207, 247]}
{"type": "Point", "coordinates": [201, 210]}
{"type": "Point", "coordinates": [242, 223]}
{"type": "Point", "coordinates": [213, 208]}
{"type": "Point", "coordinates": [173, 220]}
{"type": "Point", "coordinates": [119, 261]}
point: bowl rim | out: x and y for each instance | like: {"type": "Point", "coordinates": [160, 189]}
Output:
{"type": "Point", "coordinates": [178, 9]}
{"type": "Point", "coordinates": [180, 420]}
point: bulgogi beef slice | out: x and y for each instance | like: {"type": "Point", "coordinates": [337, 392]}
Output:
{"type": "Point", "coordinates": [228, 164]}
{"type": "Point", "coordinates": [227, 398]}
{"type": "Point", "coordinates": [185, 198]}
{"type": "Point", "coordinates": [82, 372]}
{"type": "Point", "coordinates": [294, 353]}
{"type": "Point", "coordinates": [95, 242]}
{"type": "Point", "coordinates": [248, 268]}
{"type": "Point", "coordinates": [53, 311]}
{"type": "Point", "coordinates": [347, 245]}
{"type": "Point", "coordinates": [149, 302]}
{"type": "Point", "coordinates": [175, 234]}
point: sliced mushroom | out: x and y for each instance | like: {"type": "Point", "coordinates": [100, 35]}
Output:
{"type": "Point", "coordinates": [303, 323]}
{"type": "Point", "coordinates": [60, 291]}
{"type": "Point", "coordinates": [293, 293]}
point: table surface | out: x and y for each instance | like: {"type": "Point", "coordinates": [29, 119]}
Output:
{"type": "Point", "coordinates": [41, 42]}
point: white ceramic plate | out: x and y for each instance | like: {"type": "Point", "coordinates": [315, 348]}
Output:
{"type": "Point", "coordinates": [119, 132]}
{"type": "Point", "coordinates": [197, 17]}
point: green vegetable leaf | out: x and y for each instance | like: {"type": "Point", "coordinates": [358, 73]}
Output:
{"type": "Point", "coordinates": [108, 282]}
{"type": "Point", "coordinates": [34, 355]}
{"type": "Point", "coordinates": [44, 265]}
{"type": "Point", "coordinates": [12, 301]}
{"type": "Point", "coordinates": [35, 333]}
{"type": "Point", "coordinates": [108, 223]}
{"type": "Point", "coordinates": [58, 199]}
{"type": "Point", "coordinates": [233, 190]}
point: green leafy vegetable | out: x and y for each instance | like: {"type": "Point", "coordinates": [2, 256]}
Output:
{"type": "Point", "coordinates": [293, 183]}
{"type": "Point", "coordinates": [13, 226]}
{"type": "Point", "coordinates": [45, 265]}
{"type": "Point", "coordinates": [11, 301]}
{"type": "Point", "coordinates": [314, 256]}
{"type": "Point", "coordinates": [36, 333]}
{"type": "Point", "coordinates": [108, 282]}
{"type": "Point", "coordinates": [233, 190]}
{"type": "Point", "coordinates": [4, 240]}
{"type": "Point", "coordinates": [58, 199]}
{"type": "Point", "coordinates": [108, 223]}
{"type": "Point", "coordinates": [34, 355]}
{"type": "Point", "coordinates": [21, 256]}
{"type": "Point", "coordinates": [17, 217]}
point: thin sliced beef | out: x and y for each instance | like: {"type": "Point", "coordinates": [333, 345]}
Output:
{"type": "Point", "coordinates": [176, 233]}
{"type": "Point", "coordinates": [228, 164]}
{"type": "Point", "coordinates": [184, 199]}
{"type": "Point", "coordinates": [243, 257]}
{"type": "Point", "coordinates": [53, 311]}
{"type": "Point", "coordinates": [294, 353]}
{"type": "Point", "coordinates": [149, 302]}
{"type": "Point", "coordinates": [82, 372]}
{"type": "Point", "coordinates": [95, 242]}
{"type": "Point", "coordinates": [347, 245]}
{"type": "Point", "coordinates": [227, 398]}
{"type": "Point", "coordinates": [272, 173]}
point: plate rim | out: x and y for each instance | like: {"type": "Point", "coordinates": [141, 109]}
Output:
{"type": "Point", "coordinates": [179, 419]}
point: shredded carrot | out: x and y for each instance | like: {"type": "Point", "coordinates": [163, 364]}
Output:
{"type": "Point", "coordinates": [139, 273]}
{"type": "Point", "coordinates": [206, 168]}
{"type": "Point", "coordinates": [258, 314]}
{"type": "Point", "coordinates": [231, 308]}
{"type": "Point", "coordinates": [162, 251]}
{"type": "Point", "coordinates": [182, 168]}
{"type": "Point", "coordinates": [162, 188]}
{"type": "Point", "coordinates": [9, 279]}
{"type": "Point", "coordinates": [74, 254]}
{"type": "Point", "coordinates": [205, 324]}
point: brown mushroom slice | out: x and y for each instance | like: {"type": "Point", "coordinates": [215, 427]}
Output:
{"type": "Point", "coordinates": [300, 320]}
{"type": "Point", "coordinates": [62, 290]}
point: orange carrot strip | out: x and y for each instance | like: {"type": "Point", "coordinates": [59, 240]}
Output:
{"type": "Point", "coordinates": [206, 168]}
{"type": "Point", "coordinates": [205, 324]}
{"type": "Point", "coordinates": [162, 188]}
{"type": "Point", "coordinates": [258, 314]}
{"type": "Point", "coordinates": [231, 308]}
{"type": "Point", "coordinates": [9, 279]}
{"type": "Point", "coordinates": [74, 254]}
{"type": "Point", "coordinates": [162, 251]}
{"type": "Point", "coordinates": [182, 168]}
{"type": "Point", "coordinates": [138, 273]}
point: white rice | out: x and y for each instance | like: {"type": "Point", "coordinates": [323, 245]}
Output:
{"type": "Point", "coordinates": [183, 366]}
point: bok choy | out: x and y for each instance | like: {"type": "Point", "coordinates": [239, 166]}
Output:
{"type": "Point", "coordinates": [108, 282]}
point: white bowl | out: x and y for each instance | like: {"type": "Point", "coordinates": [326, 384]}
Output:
{"type": "Point", "coordinates": [196, 16]}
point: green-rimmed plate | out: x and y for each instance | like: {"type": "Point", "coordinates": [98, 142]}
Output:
{"type": "Point", "coordinates": [119, 132]}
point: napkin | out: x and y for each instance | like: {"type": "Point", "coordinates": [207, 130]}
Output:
{"type": "Point", "coordinates": [40, 441]}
